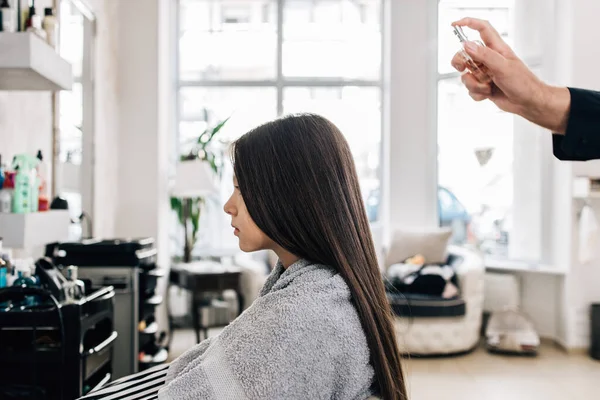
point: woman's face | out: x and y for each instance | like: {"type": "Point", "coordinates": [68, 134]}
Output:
{"type": "Point", "coordinates": [250, 236]}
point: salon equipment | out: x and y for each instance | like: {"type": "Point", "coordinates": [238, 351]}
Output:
{"type": "Point", "coordinates": [51, 278]}
{"type": "Point", "coordinates": [55, 350]}
{"type": "Point", "coordinates": [130, 267]}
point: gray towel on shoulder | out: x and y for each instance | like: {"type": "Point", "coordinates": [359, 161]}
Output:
{"type": "Point", "coordinates": [301, 339]}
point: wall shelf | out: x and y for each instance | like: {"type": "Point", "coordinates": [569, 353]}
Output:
{"type": "Point", "coordinates": [27, 231]}
{"type": "Point", "coordinates": [27, 62]}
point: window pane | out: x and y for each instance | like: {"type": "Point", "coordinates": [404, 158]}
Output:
{"type": "Point", "coordinates": [247, 107]}
{"type": "Point", "coordinates": [71, 111]}
{"type": "Point", "coordinates": [498, 12]}
{"type": "Point", "coordinates": [227, 40]}
{"type": "Point", "coordinates": [71, 36]}
{"type": "Point", "coordinates": [332, 39]}
{"type": "Point", "coordinates": [475, 161]}
{"type": "Point", "coordinates": [357, 113]}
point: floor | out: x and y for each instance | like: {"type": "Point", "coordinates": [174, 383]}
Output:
{"type": "Point", "coordinates": [552, 375]}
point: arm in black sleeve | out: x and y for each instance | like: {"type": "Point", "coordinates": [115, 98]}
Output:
{"type": "Point", "coordinates": [581, 141]}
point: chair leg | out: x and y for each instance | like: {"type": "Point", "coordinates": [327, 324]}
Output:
{"type": "Point", "coordinates": [196, 317]}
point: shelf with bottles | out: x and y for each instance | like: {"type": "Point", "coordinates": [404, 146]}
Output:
{"type": "Point", "coordinates": [28, 49]}
{"type": "Point", "coordinates": [27, 62]}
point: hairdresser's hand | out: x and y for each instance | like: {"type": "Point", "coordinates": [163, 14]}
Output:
{"type": "Point", "coordinates": [514, 87]}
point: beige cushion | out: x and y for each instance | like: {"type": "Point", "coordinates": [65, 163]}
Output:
{"type": "Point", "coordinates": [432, 244]}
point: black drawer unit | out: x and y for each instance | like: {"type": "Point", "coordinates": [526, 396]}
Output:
{"type": "Point", "coordinates": [56, 353]}
{"type": "Point", "coordinates": [129, 265]}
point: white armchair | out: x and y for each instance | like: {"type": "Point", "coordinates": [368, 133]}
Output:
{"type": "Point", "coordinates": [449, 335]}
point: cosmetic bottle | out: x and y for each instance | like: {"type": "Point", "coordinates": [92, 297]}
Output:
{"type": "Point", "coordinates": [479, 71]}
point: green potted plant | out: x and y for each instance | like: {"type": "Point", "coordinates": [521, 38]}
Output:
{"type": "Point", "coordinates": [193, 179]}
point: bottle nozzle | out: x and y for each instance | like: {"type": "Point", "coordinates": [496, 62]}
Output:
{"type": "Point", "coordinates": [460, 34]}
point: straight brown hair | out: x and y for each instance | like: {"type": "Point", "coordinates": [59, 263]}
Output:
{"type": "Point", "coordinates": [299, 183]}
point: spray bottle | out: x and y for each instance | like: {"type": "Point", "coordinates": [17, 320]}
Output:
{"type": "Point", "coordinates": [26, 193]}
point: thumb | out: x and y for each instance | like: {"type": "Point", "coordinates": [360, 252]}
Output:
{"type": "Point", "coordinates": [488, 57]}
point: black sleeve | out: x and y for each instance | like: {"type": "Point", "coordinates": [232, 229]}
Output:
{"type": "Point", "coordinates": [581, 141]}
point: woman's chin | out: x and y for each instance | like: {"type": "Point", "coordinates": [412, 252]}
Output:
{"type": "Point", "coordinates": [247, 247]}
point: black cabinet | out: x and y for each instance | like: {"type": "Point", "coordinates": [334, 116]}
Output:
{"type": "Point", "coordinates": [56, 353]}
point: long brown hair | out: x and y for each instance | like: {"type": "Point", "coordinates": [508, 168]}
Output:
{"type": "Point", "coordinates": [298, 180]}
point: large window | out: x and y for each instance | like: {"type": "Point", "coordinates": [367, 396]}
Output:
{"type": "Point", "coordinates": [253, 60]}
{"type": "Point", "coordinates": [480, 166]}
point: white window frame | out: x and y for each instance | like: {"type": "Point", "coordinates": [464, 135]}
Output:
{"type": "Point", "coordinates": [539, 230]}
{"type": "Point", "coordinates": [281, 82]}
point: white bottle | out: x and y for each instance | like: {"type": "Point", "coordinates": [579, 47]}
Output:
{"type": "Point", "coordinates": [36, 24]}
{"type": "Point", "coordinates": [5, 200]}
{"type": "Point", "coordinates": [9, 17]}
{"type": "Point", "coordinates": [74, 287]}
{"type": "Point", "coordinates": [50, 25]}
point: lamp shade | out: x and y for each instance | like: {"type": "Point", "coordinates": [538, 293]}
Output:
{"type": "Point", "coordinates": [193, 178]}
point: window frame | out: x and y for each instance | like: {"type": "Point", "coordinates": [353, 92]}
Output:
{"type": "Point", "coordinates": [533, 63]}
{"type": "Point", "coordinates": [281, 82]}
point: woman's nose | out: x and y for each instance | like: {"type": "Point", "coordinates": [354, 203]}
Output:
{"type": "Point", "coordinates": [229, 207]}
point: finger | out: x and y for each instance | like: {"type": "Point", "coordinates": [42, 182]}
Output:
{"type": "Point", "coordinates": [495, 61]}
{"type": "Point", "coordinates": [478, 97]}
{"type": "Point", "coordinates": [458, 62]}
{"type": "Point", "coordinates": [474, 86]}
{"type": "Point", "coordinates": [488, 33]}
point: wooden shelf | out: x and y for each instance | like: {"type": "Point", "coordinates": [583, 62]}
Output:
{"type": "Point", "coordinates": [27, 62]}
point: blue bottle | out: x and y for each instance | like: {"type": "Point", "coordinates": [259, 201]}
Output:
{"type": "Point", "coordinates": [26, 280]}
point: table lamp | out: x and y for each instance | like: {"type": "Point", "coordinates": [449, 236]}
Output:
{"type": "Point", "coordinates": [193, 179]}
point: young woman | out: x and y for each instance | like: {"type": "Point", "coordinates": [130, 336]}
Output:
{"type": "Point", "coordinates": [321, 327]}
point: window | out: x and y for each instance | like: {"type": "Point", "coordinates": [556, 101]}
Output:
{"type": "Point", "coordinates": [479, 164]}
{"type": "Point", "coordinates": [71, 114]}
{"type": "Point", "coordinates": [253, 60]}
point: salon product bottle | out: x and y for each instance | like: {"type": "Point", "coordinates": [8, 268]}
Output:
{"type": "Point", "coordinates": [6, 190]}
{"type": "Point", "coordinates": [9, 17]}
{"type": "Point", "coordinates": [34, 23]}
{"type": "Point", "coordinates": [5, 200]}
{"type": "Point", "coordinates": [50, 26]}
{"type": "Point", "coordinates": [75, 288]}
{"type": "Point", "coordinates": [5, 256]}
{"type": "Point", "coordinates": [25, 183]}
{"type": "Point", "coordinates": [1, 173]}
{"type": "Point", "coordinates": [479, 71]}
{"type": "Point", "coordinates": [4, 265]}
{"type": "Point", "coordinates": [3, 269]}
{"type": "Point", "coordinates": [25, 280]}
{"type": "Point", "coordinates": [43, 202]}
{"type": "Point", "coordinates": [11, 275]}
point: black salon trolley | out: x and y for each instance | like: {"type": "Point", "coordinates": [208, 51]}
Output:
{"type": "Point", "coordinates": [129, 265]}
{"type": "Point", "coordinates": [50, 352]}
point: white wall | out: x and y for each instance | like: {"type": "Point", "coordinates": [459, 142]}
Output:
{"type": "Point", "coordinates": [584, 281]}
{"type": "Point", "coordinates": [573, 60]}
{"type": "Point", "coordinates": [143, 125]}
{"type": "Point", "coordinates": [106, 123]}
